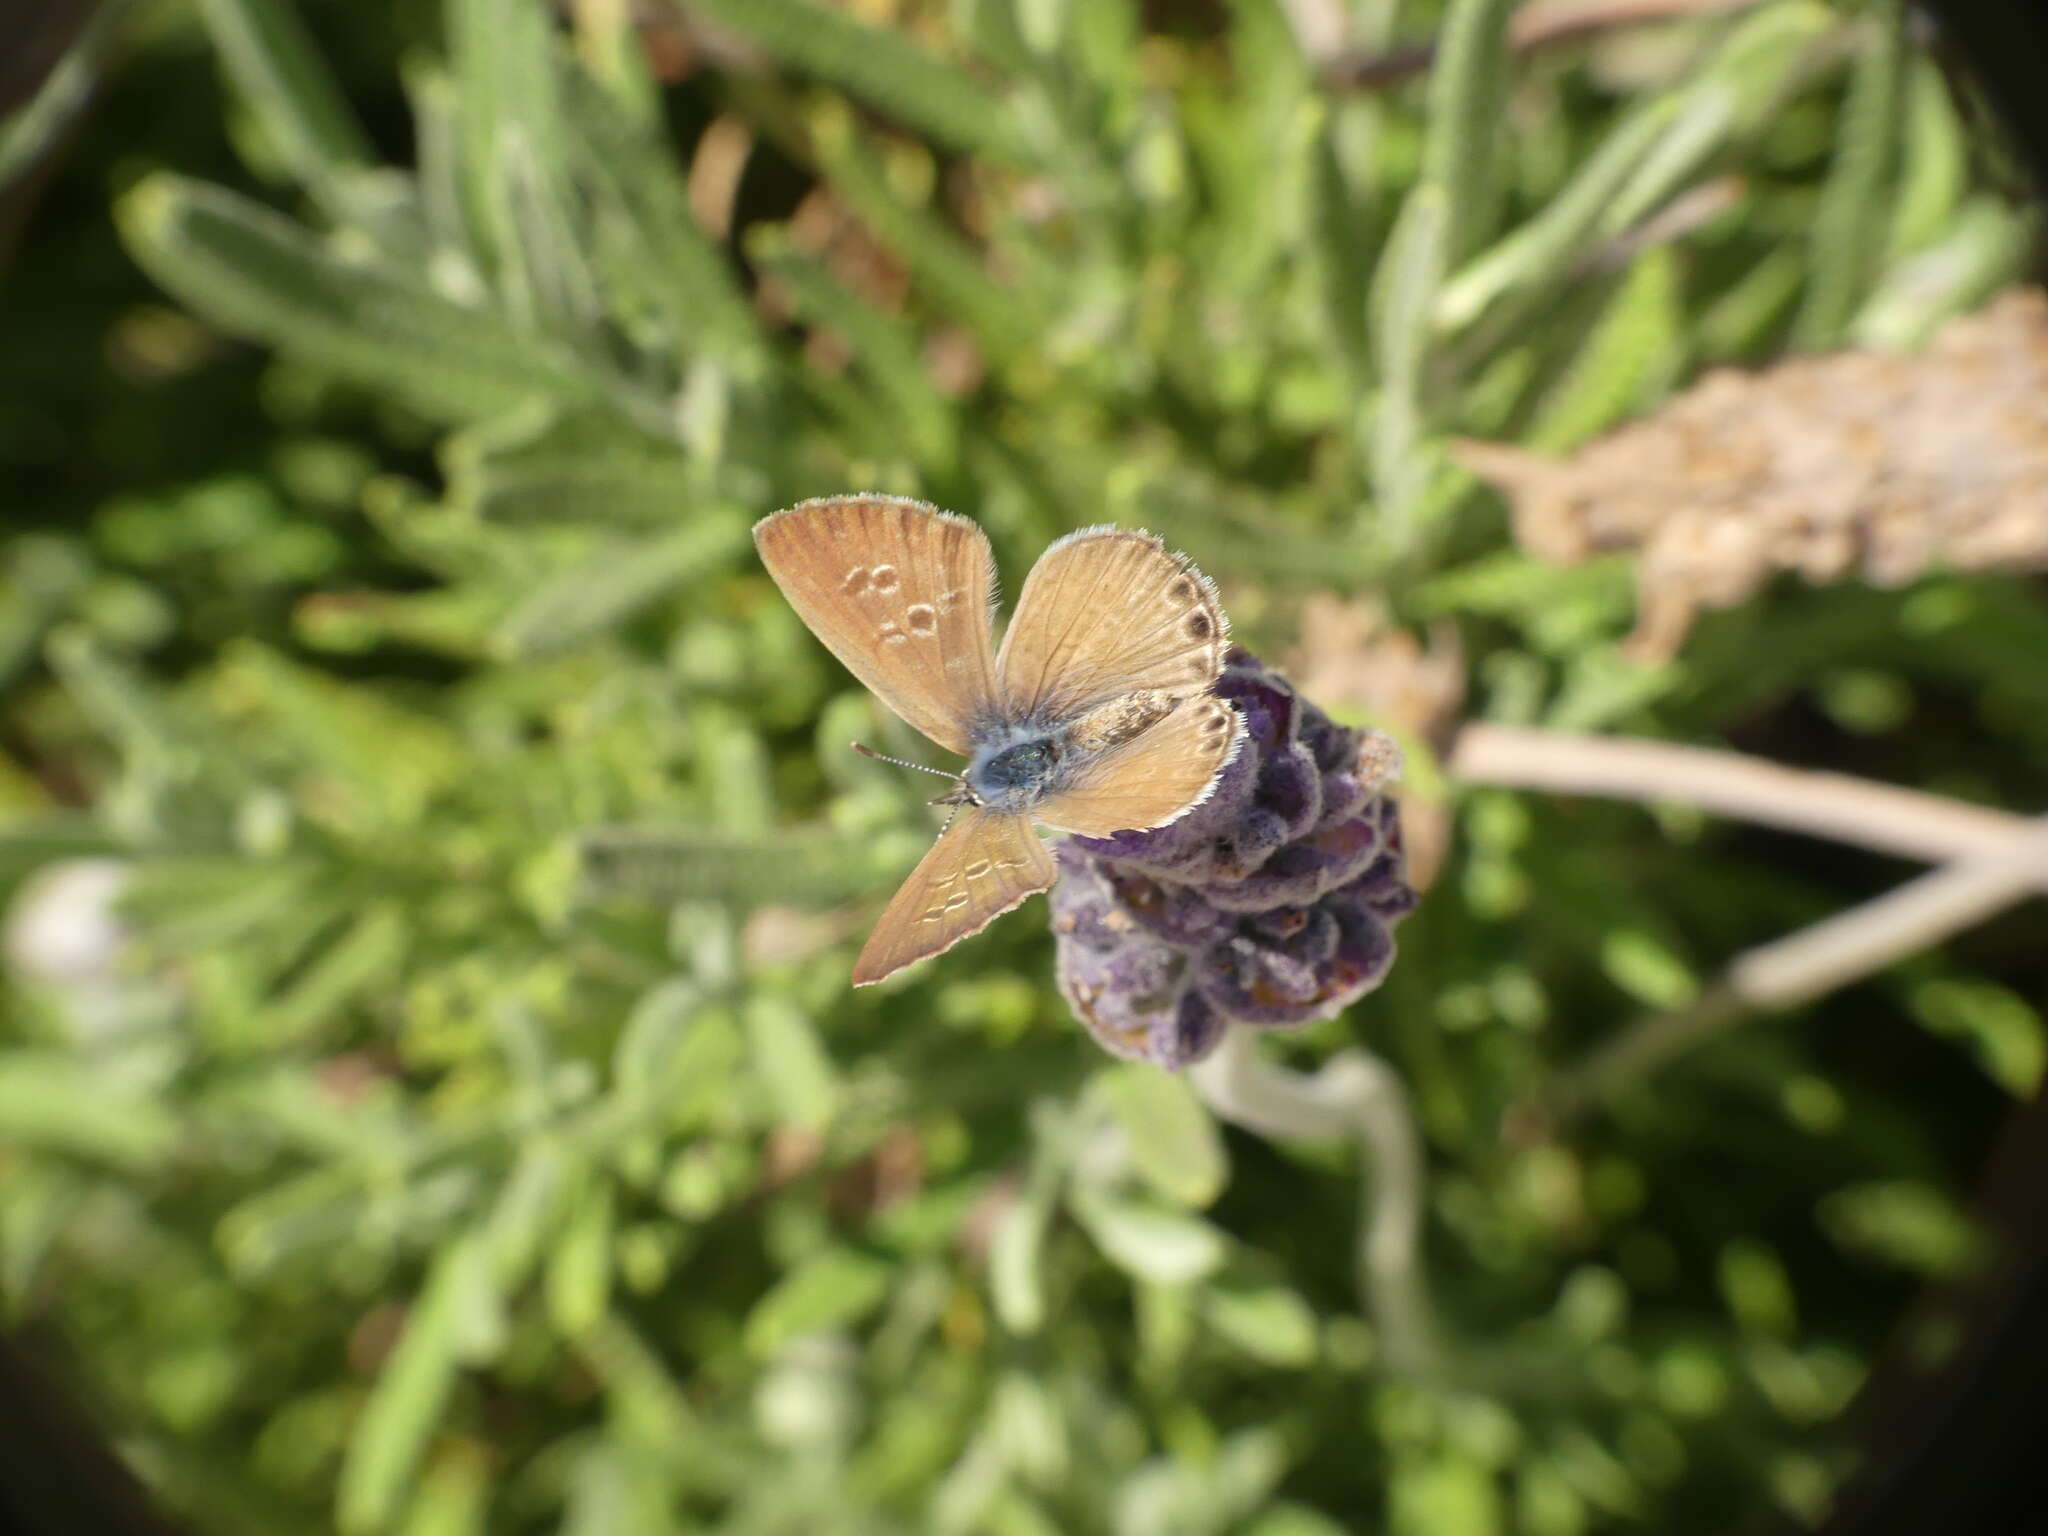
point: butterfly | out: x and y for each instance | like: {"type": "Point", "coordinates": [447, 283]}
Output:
{"type": "Point", "coordinates": [1095, 717]}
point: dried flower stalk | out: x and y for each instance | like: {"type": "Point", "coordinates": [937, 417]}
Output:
{"type": "Point", "coordinates": [1856, 464]}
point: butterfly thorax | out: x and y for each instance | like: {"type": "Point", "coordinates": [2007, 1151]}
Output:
{"type": "Point", "coordinates": [1017, 766]}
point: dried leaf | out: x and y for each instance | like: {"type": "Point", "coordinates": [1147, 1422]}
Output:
{"type": "Point", "coordinates": [1855, 464]}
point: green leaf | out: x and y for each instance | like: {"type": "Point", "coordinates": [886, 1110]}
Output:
{"type": "Point", "coordinates": [1016, 1262]}
{"type": "Point", "coordinates": [288, 87]}
{"type": "Point", "coordinates": [1270, 1323]}
{"type": "Point", "coordinates": [881, 68]}
{"type": "Point", "coordinates": [2003, 1029]}
{"type": "Point", "coordinates": [1739, 91]}
{"type": "Point", "coordinates": [513, 154]}
{"type": "Point", "coordinates": [405, 1407]}
{"type": "Point", "coordinates": [885, 347]}
{"type": "Point", "coordinates": [1903, 1222]}
{"type": "Point", "coordinates": [1757, 1289]}
{"type": "Point", "coordinates": [1855, 210]}
{"type": "Point", "coordinates": [528, 1210]}
{"type": "Point", "coordinates": [579, 1267]}
{"type": "Point", "coordinates": [1985, 248]}
{"type": "Point", "coordinates": [454, 1497]}
{"type": "Point", "coordinates": [790, 1061]}
{"type": "Point", "coordinates": [831, 1290]}
{"type": "Point", "coordinates": [654, 244]}
{"type": "Point", "coordinates": [1647, 969]}
{"type": "Point", "coordinates": [55, 1103]}
{"type": "Point", "coordinates": [1543, 249]}
{"type": "Point", "coordinates": [806, 866]}
{"type": "Point", "coordinates": [258, 274]}
{"type": "Point", "coordinates": [1164, 1247]}
{"type": "Point", "coordinates": [1935, 171]}
{"type": "Point", "coordinates": [1631, 353]}
{"type": "Point", "coordinates": [1173, 1138]}
{"type": "Point", "coordinates": [949, 274]}
{"type": "Point", "coordinates": [34, 128]}
{"type": "Point", "coordinates": [618, 582]}
{"type": "Point", "coordinates": [1404, 296]}
{"type": "Point", "coordinates": [1466, 88]}
{"type": "Point", "coordinates": [579, 467]}
{"type": "Point", "coordinates": [367, 957]}
{"type": "Point", "coordinates": [1445, 1492]}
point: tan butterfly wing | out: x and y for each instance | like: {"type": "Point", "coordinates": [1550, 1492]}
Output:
{"type": "Point", "coordinates": [981, 866]}
{"type": "Point", "coordinates": [1107, 612]}
{"type": "Point", "coordinates": [901, 593]}
{"type": "Point", "coordinates": [1152, 779]}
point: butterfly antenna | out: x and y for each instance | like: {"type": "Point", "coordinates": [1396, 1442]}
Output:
{"type": "Point", "coordinates": [880, 757]}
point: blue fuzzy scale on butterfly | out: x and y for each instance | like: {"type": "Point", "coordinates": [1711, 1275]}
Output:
{"type": "Point", "coordinates": [1016, 768]}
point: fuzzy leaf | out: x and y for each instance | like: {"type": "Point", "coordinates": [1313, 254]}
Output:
{"type": "Point", "coordinates": [258, 274]}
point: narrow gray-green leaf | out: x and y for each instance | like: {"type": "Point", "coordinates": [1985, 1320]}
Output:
{"type": "Point", "coordinates": [583, 466]}
{"type": "Point", "coordinates": [578, 1281]}
{"type": "Point", "coordinates": [1542, 249]}
{"type": "Point", "coordinates": [1148, 1243]}
{"type": "Point", "coordinates": [57, 1104]}
{"type": "Point", "coordinates": [1849, 225]}
{"type": "Point", "coordinates": [830, 1290]}
{"type": "Point", "coordinates": [405, 1406]}
{"type": "Point", "coordinates": [1467, 90]}
{"type": "Point", "coordinates": [790, 1062]}
{"type": "Point", "coordinates": [258, 274]}
{"type": "Point", "coordinates": [1174, 1143]}
{"type": "Point", "coordinates": [806, 866]}
{"type": "Point", "coordinates": [1270, 1323]}
{"type": "Point", "coordinates": [618, 582]}
{"type": "Point", "coordinates": [63, 95]}
{"type": "Point", "coordinates": [288, 87]}
{"type": "Point", "coordinates": [950, 275]}
{"type": "Point", "coordinates": [657, 247]}
{"type": "Point", "coordinates": [1404, 295]}
{"type": "Point", "coordinates": [365, 958]}
{"type": "Point", "coordinates": [881, 68]}
{"type": "Point", "coordinates": [1016, 1263]}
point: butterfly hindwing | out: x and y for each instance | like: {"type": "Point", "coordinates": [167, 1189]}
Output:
{"type": "Point", "coordinates": [1152, 779]}
{"type": "Point", "coordinates": [981, 866]}
{"type": "Point", "coordinates": [1108, 612]}
{"type": "Point", "coordinates": [901, 593]}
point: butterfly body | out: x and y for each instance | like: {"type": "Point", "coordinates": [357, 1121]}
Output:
{"type": "Point", "coordinates": [1095, 717]}
{"type": "Point", "coordinates": [1017, 768]}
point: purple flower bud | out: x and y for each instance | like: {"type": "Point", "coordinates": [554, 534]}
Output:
{"type": "Point", "coordinates": [1271, 904]}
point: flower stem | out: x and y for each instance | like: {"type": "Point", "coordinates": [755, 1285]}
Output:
{"type": "Point", "coordinates": [1354, 1096]}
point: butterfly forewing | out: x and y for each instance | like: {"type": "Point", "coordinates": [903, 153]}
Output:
{"type": "Point", "coordinates": [1153, 778]}
{"type": "Point", "coordinates": [981, 866]}
{"type": "Point", "coordinates": [901, 593]}
{"type": "Point", "coordinates": [1108, 612]}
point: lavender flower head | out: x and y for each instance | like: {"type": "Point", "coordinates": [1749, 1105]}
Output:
{"type": "Point", "coordinates": [1271, 904]}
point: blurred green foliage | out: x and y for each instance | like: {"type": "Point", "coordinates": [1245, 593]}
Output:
{"type": "Point", "coordinates": [459, 1119]}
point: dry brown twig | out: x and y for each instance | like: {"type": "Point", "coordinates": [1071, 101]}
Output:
{"type": "Point", "coordinates": [1906, 822]}
{"type": "Point", "coordinates": [1989, 860]}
